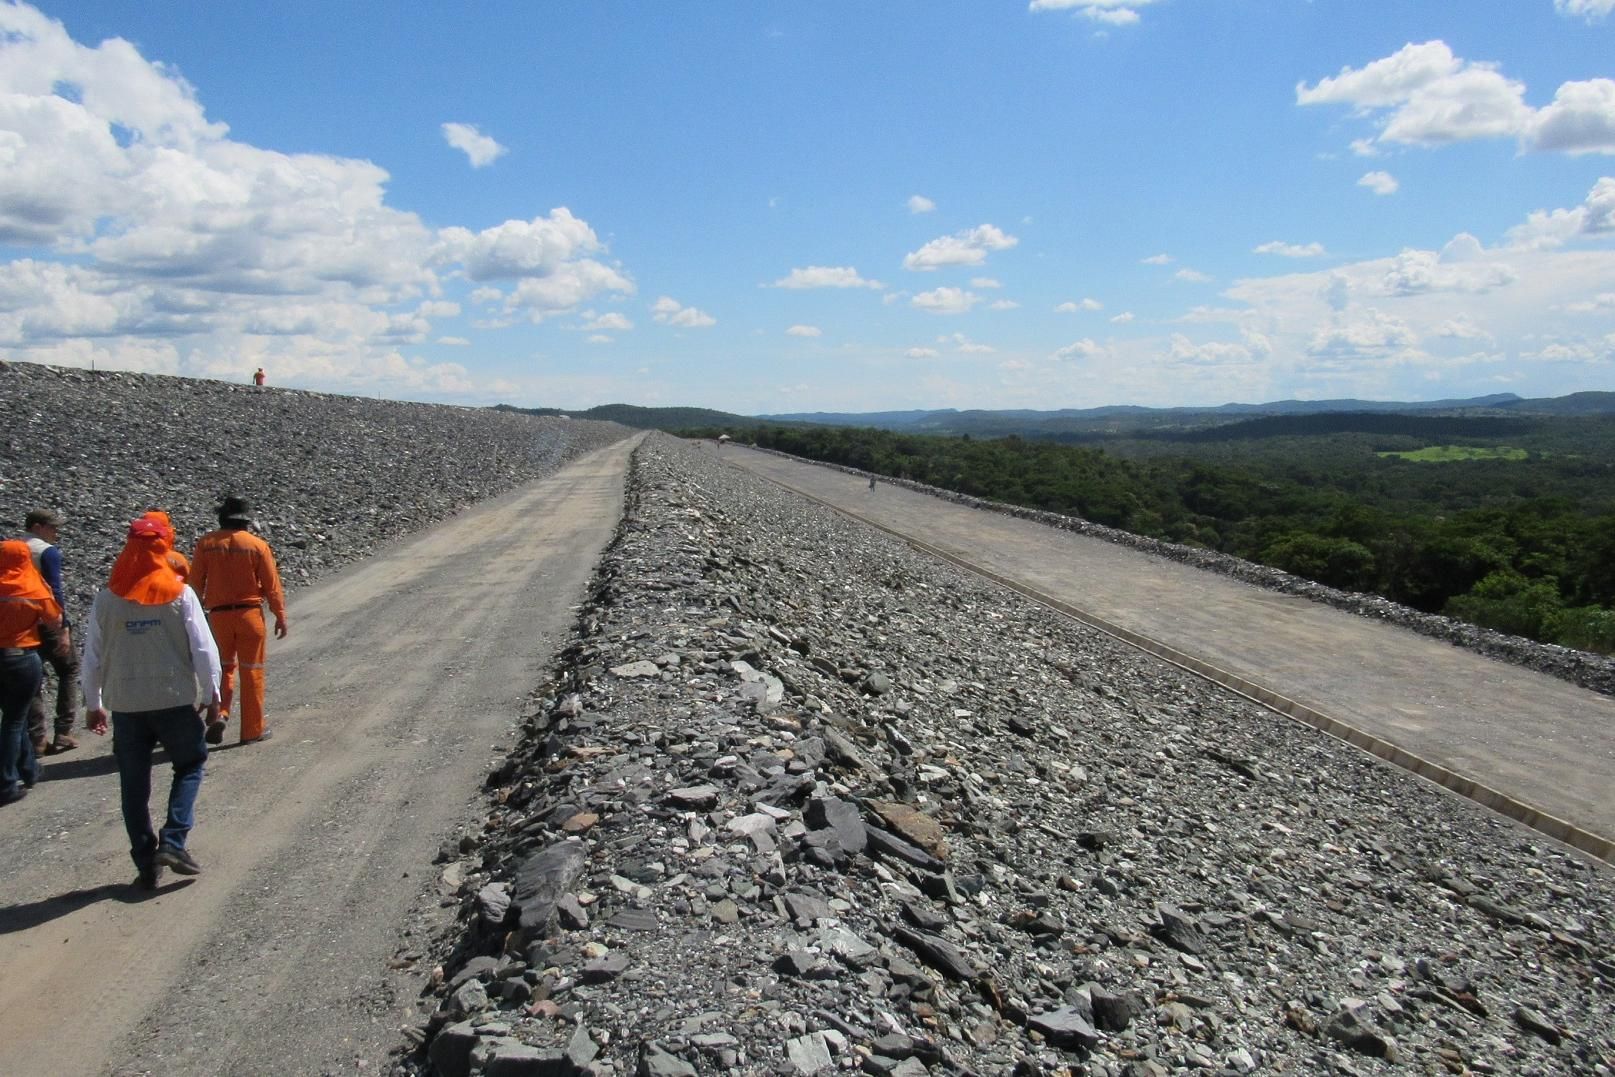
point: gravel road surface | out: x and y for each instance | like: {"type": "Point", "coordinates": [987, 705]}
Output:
{"type": "Point", "coordinates": [399, 676]}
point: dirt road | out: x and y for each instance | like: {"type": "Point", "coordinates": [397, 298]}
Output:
{"type": "Point", "coordinates": [1529, 736]}
{"type": "Point", "coordinates": [398, 678]}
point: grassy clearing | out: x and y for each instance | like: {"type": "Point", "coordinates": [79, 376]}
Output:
{"type": "Point", "coordinates": [1446, 454]}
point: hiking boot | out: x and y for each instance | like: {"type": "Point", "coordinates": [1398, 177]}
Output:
{"type": "Point", "coordinates": [41, 745]}
{"type": "Point", "coordinates": [14, 794]}
{"type": "Point", "coordinates": [178, 859]}
{"type": "Point", "coordinates": [63, 743]}
{"type": "Point", "coordinates": [215, 732]}
{"type": "Point", "coordinates": [148, 876]}
{"type": "Point", "coordinates": [265, 735]}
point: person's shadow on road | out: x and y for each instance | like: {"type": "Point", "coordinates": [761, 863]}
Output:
{"type": "Point", "coordinates": [55, 769]}
{"type": "Point", "coordinates": [15, 918]}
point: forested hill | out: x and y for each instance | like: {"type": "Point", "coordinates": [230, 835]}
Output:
{"type": "Point", "coordinates": [1506, 522]}
{"type": "Point", "coordinates": [1407, 424]}
{"type": "Point", "coordinates": [1574, 404]}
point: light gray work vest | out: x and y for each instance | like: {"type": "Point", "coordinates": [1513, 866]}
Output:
{"type": "Point", "coordinates": [145, 655]}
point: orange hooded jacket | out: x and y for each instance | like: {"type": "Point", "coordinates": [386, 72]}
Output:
{"type": "Point", "coordinates": [142, 573]}
{"type": "Point", "coordinates": [25, 598]}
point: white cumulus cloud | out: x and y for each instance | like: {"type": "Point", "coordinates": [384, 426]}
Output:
{"type": "Point", "coordinates": [1381, 183]}
{"type": "Point", "coordinates": [1370, 335]}
{"type": "Point", "coordinates": [564, 288]}
{"type": "Point", "coordinates": [1587, 9]}
{"type": "Point", "coordinates": [1425, 95]}
{"type": "Point", "coordinates": [945, 301]}
{"type": "Point", "coordinates": [670, 311]}
{"type": "Point", "coordinates": [922, 353]}
{"type": "Point", "coordinates": [478, 148]}
{"type": "Point", "coordinates": [804, 331]}
{"type": "Point", "coordinates": [1157, 260]}
{"type": "Point", "coordinates": [1191, 276]}
{"type": "Point", "coordinates": [1109, 12]}
{"type": "Point", "coordinates": [918, 203]}
{"type": "Point", "coordinates": [964, 344]}
{"type": "Point", "coordinates": [967, 248]}
{"type": "Point", "coordinates": [1580, 119]}
{"type": "Point", "coordinates": [1460, 267]}
{"type": "Point", "coordinates": [1545, 229]}
{"type": "Point", "coordinates": [610, 322]}
{"type": "Point", "coordinates": [825, 277]}
{"type": "Point", "coordinates": [1123, 318]}
{"type": "Point", "coordinates": [1602, 301]}
{"type": "Point", "coordinates": [1290, 250]}
{"type": "Point", "coordinates": [1072, 307]}
{"type": "Point", "coordinates": [128, 214]}
{"type": "Point", "coordinates": [1081, 349]}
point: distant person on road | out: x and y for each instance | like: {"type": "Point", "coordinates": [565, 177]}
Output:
{"type": "Point", "coordinates": [26, 606]}
{"type": "Point", "coordinates": [259, 377]}
{"type": "Point", "coordinates": [234, 574]}
{"type": "Point", "coordinates": [146, 650]}
{"type": "Point", "coordinates": [43, 529]}
{"type": "Point", "coordinates": [871, 482]}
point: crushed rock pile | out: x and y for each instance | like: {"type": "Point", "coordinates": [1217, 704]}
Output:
{"type": "Point", "coordinates": [799, 800]}
{"type": "Point", "coordinates": [330, 477]}
{"type": "Point", "coordinates": [1595, 672]}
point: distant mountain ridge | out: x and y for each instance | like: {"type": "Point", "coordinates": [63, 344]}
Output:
{"type": "Point", "coordinates": [891, 420]}
{"type": "Point", "coordinates": [1108, 419]}
{"type": "Point", "coordinates": [641, 418]}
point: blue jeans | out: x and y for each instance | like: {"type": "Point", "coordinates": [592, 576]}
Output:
{"type": "Point", "coordinates": [20, 672]}
{"type": "Point", "coordinates": [134, 735]}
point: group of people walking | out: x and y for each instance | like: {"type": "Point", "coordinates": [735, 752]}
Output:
{"type": "Point", "coordinates": [164, 644]}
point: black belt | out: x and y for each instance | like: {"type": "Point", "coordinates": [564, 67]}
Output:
{"type": "Point", "coordinates": [238, 606]}
{"type": "Point", "coordinates": [16, 652]}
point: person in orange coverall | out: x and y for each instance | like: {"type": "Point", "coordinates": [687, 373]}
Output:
{"type": "Point", "coordinates": [233, 573]}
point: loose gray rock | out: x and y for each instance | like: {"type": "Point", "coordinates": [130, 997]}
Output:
{"type": "Point", "coordinates": [809, 1054]}
{"type": "Point", "coordinates": [1065, 1027]}
{"type": "Point", "coordinates": [938, 953]}
{"type": "Point", "coordinates": [542, 879]}
{"type": "Point", "coordinates": [450, 1051]}
{"type": "Point", "coordinates": [696, 797]}
{"type": "Point", "coordinates": [654, 1061]}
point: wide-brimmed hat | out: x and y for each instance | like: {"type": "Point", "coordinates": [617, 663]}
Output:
{"type": "Point", "coordinates": [235, 509]}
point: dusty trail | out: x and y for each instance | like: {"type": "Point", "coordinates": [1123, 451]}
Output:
{"type": "Point", "coordinates": [397, 679]}
{"type": "Point", "coordinates": [1531, 737]}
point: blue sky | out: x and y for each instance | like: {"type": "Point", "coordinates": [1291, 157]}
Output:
{"type": "Point", "coordinates": [772, 207]}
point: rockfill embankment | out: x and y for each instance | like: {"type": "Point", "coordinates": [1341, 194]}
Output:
{"type": "Point", "coordinates": [331, 478]}
{"type": "Point", "coordinates": [798, 799]}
